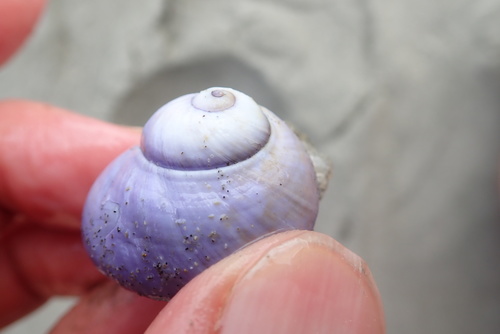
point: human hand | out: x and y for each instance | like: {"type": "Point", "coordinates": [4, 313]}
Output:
{"type": "Point", "coordinates": [293, 282]}
{"type": "Point", "coordinates": [48, 160]}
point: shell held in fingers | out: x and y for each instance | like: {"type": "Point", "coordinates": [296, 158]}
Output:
{"type": "Point", "coordinates": [214, 172]}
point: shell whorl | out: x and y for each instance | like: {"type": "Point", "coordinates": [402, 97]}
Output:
{"type": "Point", "coordinates": [229, 127]}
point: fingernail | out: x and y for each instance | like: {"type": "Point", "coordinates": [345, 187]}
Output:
{"type": "Point", "coordinates": [309, 284]}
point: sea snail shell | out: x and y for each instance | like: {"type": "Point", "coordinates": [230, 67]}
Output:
{"type": "Point", "coordinates": [214, 172]}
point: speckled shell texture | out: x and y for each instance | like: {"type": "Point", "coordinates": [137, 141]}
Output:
{"type": "Point", "coordinates": [153, 225]}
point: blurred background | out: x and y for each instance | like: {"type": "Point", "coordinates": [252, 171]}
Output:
{"type": "Point", "coordinates": [403, 96]}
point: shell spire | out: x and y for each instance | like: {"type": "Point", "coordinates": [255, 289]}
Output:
{"type": "Point", "coordinates": [214, 99]}
{"type": "Point", "coordinates": [214, 128]}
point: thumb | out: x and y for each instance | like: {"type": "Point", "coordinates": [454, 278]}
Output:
{"type": "Point", "coordinates": [292, 282]}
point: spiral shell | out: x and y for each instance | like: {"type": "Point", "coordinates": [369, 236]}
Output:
{"type": "Point", "coordinates": [214, 172]}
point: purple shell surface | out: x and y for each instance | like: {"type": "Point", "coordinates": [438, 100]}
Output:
{"type": "Point", "coordinates": [162, 213]}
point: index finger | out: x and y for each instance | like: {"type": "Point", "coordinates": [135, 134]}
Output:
{"type": "Point", "coordinates": [49, 158]}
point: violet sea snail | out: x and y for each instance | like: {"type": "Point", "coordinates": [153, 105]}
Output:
{"type": "Point", "coordinates": [214, 172]}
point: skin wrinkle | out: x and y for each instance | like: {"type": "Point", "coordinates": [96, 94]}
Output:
{"type": "Point", "coordinates": [13, 309]}
{"type": "Point", "coordinates": [302, 241]}
{"type": "Point", "coordinates": [5, 196]}
{"type": "Point", "coordinates": [12, 272]}
{"type": "Point", "coordinates": [8, 222]}
{"type": "Point", "coordinates": [21, 278]}
{"type": "Point", "coordinates": [25, 264]}
{"type": "Point", "coordinates": [4, 219]}
{"type": "Point", "coordinates": [15, 262]}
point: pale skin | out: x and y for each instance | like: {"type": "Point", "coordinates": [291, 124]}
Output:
{"type": "Point", "coordinates": [293, 282]}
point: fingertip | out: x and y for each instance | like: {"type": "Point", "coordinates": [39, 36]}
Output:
{"type": "Point", "coordinates": [17, 19]}
{"type": "Point", "coordinates": [293, 282]}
